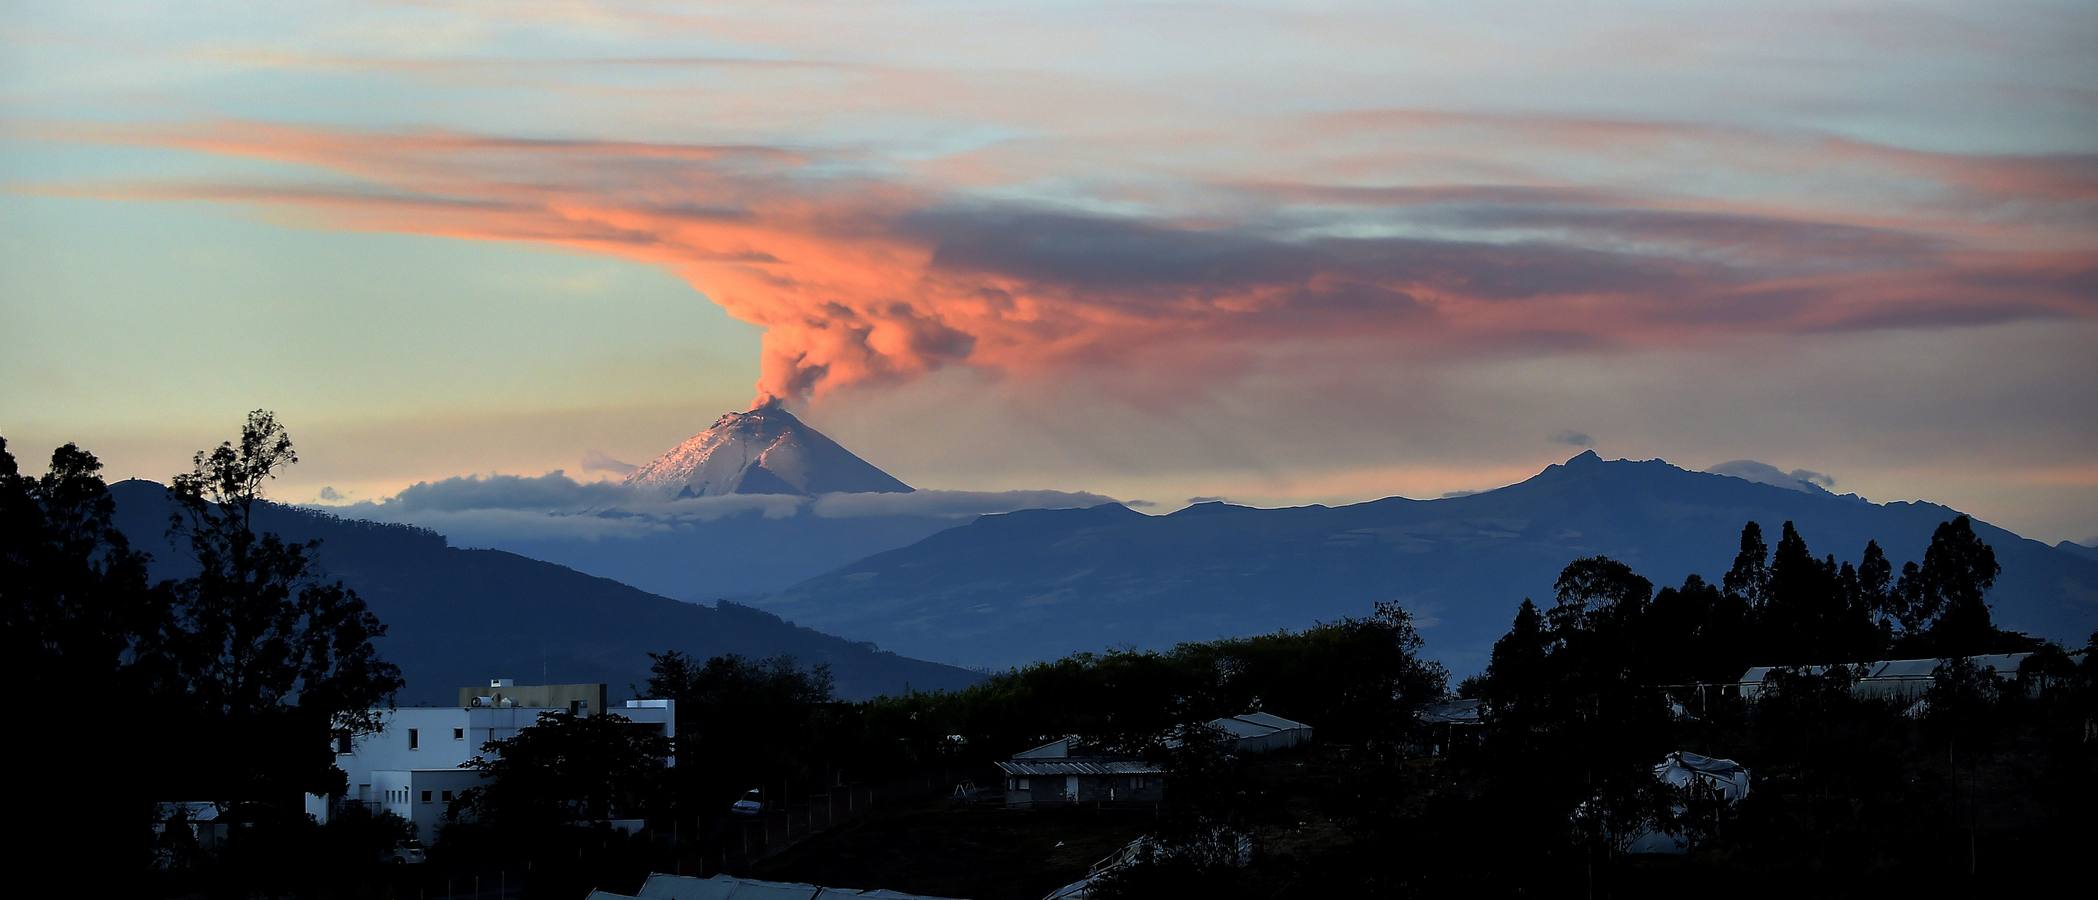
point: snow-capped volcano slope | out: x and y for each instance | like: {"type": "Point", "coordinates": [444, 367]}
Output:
{"type": "Point", "coordinates": [763, 451]}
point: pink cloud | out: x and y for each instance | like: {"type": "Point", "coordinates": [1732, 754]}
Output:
{"type": "Point", "coordinates": [860, 278]}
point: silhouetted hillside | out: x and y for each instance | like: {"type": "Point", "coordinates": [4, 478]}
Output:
{"type": "Point", "coordinates": [457, 617]}
{"type": "Point", "coordinates": [2074, 549]}
{"type": "Point", "coordinates": [1043, 583]}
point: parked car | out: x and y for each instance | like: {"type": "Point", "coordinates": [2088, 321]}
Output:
{"type": "Point", "coordinates": [409, 852]}
{"type": "Point", "coordinates": [750, 805]}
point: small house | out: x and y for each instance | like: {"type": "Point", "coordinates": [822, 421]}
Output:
{"type": "Point", "coordinates": [1448, 725]}
{"type": "Point", "coordinates": [1065, 771]}
{"type": "Point", "coordinates": [1259, 732]}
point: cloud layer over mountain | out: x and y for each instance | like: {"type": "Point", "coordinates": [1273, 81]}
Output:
{"type": "Point", "coordinates": [1764, 473]}
{"type": "Point", "coordinates": [487, 509]}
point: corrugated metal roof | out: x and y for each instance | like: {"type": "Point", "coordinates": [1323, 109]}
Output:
{"type": "Point", "coordinates": [1453, 712]}
{"type": "Point", "coordinates": [2003, 664]}
{"type": "Point", "coordinates": [1056, 749]}
{"type": "Point", "coordinates": [1240, 728]}
{"type": "Point", "coordinates": [660, 886]}
{"type": "Point", "coordinates": [1272, 721]}
{"type": "Point", "coordinates": [1061, 767]}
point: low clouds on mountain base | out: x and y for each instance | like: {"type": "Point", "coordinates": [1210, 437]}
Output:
{"type": "Point", "coordinates": [477, 509]}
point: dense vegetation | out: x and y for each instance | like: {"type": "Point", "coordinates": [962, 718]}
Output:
{"type": "Point", "coordinates": [1987, 783]}
{"type": "Point", "coordinates": [240, 677]}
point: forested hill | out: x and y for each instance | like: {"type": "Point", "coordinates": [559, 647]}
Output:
{"type": "Point", "coordinates": [458, 617]}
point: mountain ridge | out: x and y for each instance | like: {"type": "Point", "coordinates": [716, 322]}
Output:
{"type": "Point", "coordinates": [1007, 591]}
{"type": "Point", "coordinates": [457, 616]}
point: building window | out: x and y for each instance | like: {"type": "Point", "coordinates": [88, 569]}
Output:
{"type": "Point", "coordinates": [1020, 784]}
{"type": "Point", "coordinates": [458, 734]}
{"type": "Point", "coordinates": [1136, 782]}
{"type": "Point", "coordinates": [342, 743]}
{"type": "Point", "coordinates": [414, 739]}
{"type": "Point", "coordinates": [447, 796]}
{"type": "Point", "coordinates": [426, 796]}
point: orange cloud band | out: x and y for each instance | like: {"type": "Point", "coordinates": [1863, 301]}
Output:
{"type": "Point", "coordinates": [861, 278]}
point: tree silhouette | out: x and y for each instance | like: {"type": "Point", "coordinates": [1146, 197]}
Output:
{"type": "Point", "coordinates": [1958, 570]}
{"type": "Point", "coordinates": [248, 666]}
{"type": "Point", "coordinates": [566, 770]}
{"type": "Point", "coordinates": [1516, 681]}
{"type": "Point", "coordinates": [260, 649]}
{"type": "Point", "coordinates": [1750, 575]}
{"type": "Point", "coordinates": [1696, 632]}
{"type": "Point", "coordinates": [75, 611]}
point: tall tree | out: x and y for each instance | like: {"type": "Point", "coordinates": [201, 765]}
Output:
{"type": "Point", "coordinates": [1750, 575]}
{"type": "Point", "coordinates": [1958, 571]}
{"type": "Point", "coordinates": [74, 603]}
{"type": "Point", "coordinates": [1792, 620]}
{"type": "Point", "coordinates": [1696, 632]}
{"type": "Point", "coordinates": [75, 611]}
{"type": "Point", "coordinates": [741, 722]}
{"type": "Point", "coordinates": [1816, 611]}
{"type": "Point", "coordinates": [1598, 595]}
{"type": "Point", "coordinates": [1598, 713]}
{"type": "Point", "coordinates": [262, 650]}
{"type": "Point", "coordinates": [1516, 682]}
{"type": "Point", "coordinates": [1876, 579]}
{"type": "Point", "coordinates": [567, 770]}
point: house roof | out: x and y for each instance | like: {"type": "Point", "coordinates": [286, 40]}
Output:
{"type": "Point", "coordinates": [1029, 768]}
{"type": "Point", "coordinates": [1249, 725]}
{"type": "Point", "coordinates": [2004, 664]}
{"type": "Point", "coordinates": [1240, 728]}
{"type": "Point", "coordinates": [1452, 712]}
{"type": "Point", "coordinates": [1271, 720]}
{"type": "Point", "coordinates": [1056, 749]}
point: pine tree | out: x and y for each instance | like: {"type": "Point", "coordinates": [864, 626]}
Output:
{"type": "Point", "coordinates": [1749, 579]}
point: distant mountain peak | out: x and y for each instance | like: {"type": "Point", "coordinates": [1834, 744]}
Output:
{"type": "Point", "coordinates": [765, 450]}
{"type": "Point", "coordinates": [1039, 584]}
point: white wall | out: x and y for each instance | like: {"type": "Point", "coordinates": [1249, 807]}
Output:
{"type": "Point", "coordinates": [421, 796]}
{"type": "Point", "coordinates": [435, 747]}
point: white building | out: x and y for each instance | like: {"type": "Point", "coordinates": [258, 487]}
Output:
{"type": "Point", "coordinates": [412, 766]}
{"type": "Point", "coordinates": [1902, 679]}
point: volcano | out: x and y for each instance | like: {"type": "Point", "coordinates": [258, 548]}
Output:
{"type": "Point", "coordinates": [764, 451]}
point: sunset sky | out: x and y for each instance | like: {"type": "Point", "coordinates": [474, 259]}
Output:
{"type": "Point", "coordinates": [1281, 253]}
